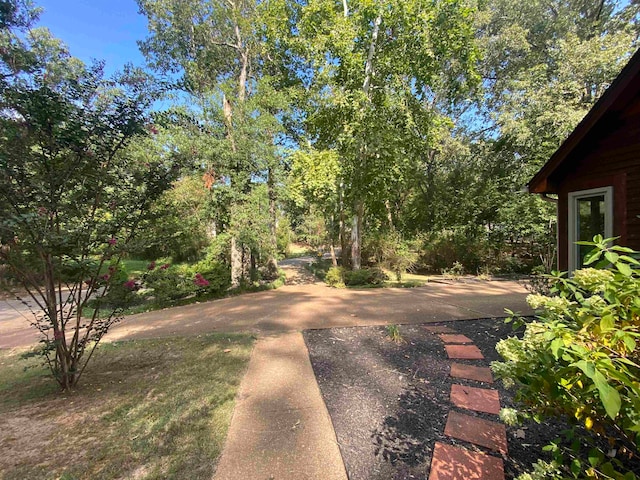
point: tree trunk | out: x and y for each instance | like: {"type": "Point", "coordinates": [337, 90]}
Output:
{"type": "Point", "coordinates": [272, 262]}
{"type": "Point", "coordinates": [356, 235]}
{"type": "Point", "coordinates": [356, 232]}
{"type": "Point", "coordinates": [334, 260]}
{"type": "Point", "coordinates": [236, 263]}
{"type": "Point", "coordinates": [342, 233]}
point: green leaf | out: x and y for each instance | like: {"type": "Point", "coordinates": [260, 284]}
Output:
{"type": "Point", "coordinates": [556, 345]}
{"type": "Point", "coordinates": [628, 259]}
{"type": "Point", "coordinates": [611, 256]}
{"type": "Point", "coordinates": [624, 269]}
{"type": "Point", "coordinates": [629, 342]}
{"type": "Point", "coordinates": [609, 396]}
{"type": "Point", "coordinates": [595, 457]}
{"type": "Point", "coordinates": [576, 466]}
{"type": "Point", "coordinates": [588, 368]}
{"type": "Point", "coordinates": [607, 323]}
{"type": "Point", "coordinates": [592, 256]}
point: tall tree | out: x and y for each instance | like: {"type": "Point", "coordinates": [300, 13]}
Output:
{"type": "Point", "coordinates": [214, 47]}
{"type": "Point", "coordinates": [383, 71]}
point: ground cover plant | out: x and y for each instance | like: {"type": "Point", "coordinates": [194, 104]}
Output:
{"type": "Point", "coordinates": [150, 409]}
{"type": "Point", "coordinates": [579, 361]}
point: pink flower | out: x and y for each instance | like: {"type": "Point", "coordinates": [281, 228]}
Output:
{"type": "Point", "coordinates": [112, 241]}
{"type": "Point", "coordinates": [165, 266]}
{"type": "Point", "coordinates": [151, 266]}
{"type": "Point", "coordinates": [130, 284]}
{"type": "Point", "coordinates": [106, 277]}
{"type": "Point", "coordinates": [200, 281]}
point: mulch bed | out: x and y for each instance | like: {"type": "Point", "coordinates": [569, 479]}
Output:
{"type": "Point", "coordinates": [389, 401]}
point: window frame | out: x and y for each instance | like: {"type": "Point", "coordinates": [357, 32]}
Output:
{"type": "Point", "coordinates": [572, 229]}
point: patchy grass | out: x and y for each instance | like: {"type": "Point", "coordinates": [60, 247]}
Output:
{"type": "Point", "coordinates": [409, 280]}
{"type": "Point", "coordinates": [146, 409]}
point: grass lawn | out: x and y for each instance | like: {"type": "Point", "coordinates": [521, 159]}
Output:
{"type": "Point", "coordinates": [146, 409]}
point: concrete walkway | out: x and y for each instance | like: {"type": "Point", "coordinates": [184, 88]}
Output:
{"type": "Point", "coordinates": [281, 428]}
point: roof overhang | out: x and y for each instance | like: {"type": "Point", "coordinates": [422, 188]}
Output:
{"type": "Point", "coordinates": [615, 98]}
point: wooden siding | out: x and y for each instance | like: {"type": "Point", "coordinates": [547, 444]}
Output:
{"type": "Point", "coordinates": [610, 156]}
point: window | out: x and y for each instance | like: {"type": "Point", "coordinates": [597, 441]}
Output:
{"type": "Point", "coordinates": [590, 214]}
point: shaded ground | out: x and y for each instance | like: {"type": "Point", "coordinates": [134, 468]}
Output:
{"type": "Point", "coordinates": [389, 402]}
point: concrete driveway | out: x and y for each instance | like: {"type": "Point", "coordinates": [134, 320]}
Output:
{"type": "Point", "coordinates": [300, 307]}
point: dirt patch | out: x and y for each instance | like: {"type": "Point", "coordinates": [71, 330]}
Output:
{"type": "Point", "coordinates": [389, 401]}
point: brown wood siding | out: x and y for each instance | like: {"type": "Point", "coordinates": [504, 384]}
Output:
{"type": "Point", "coordinates": [609, 157]}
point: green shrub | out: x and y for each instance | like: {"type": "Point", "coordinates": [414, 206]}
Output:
{"type": "Point", "coordinates": [440, 250]}
{"type": "Point", "coordinates": [393, 332]}
{"type": "Point", "coordinates": [456, 271]}
{"type": "Point", "coordinates": [335, 277]}
{"type": "Point", "coordinates": [319, 268]}
{"type": "Point", "coordinates": [122, 290]}
{"type": "Point", "coordinates": [167, 284]}
{"type": "Point", "coordinates": [391, 251]}
{"type": "Point", "coordinates": [365, 276]}
{"type": "Point", "coordinates": [579, 360]}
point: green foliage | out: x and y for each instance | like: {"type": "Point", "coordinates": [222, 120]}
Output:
{"type": "Point", "coordinates": [121, 294]}
{"type": "Point", "coordinates": [390, 251]}
{"type": "Point", "coordinates": [393, 332]}
{"type": "Point", "coordinates": [335, 277]}
{"type": "Point", "coordinates": [441, 250]}
{"type": "Point", "coordinates": [180, 223]}
{"type": "Point", "coordinates": [365, 276]}
{"type": "Point", "coordinates": [72, 192]}
{"type": "Point", "coordinates": [202, 279]}
{"type": "Point", "coordinates": [580, 360]}
{"type": "Point", "coordinates": [285, 236]}
{"type": "Point", "coordinates": [456, 271]}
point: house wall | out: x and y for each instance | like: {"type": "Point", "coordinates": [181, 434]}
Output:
{"type": "Point", "coordinates": [610, 157]}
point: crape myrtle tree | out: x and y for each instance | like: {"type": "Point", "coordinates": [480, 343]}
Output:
{"type": "Point", "coordinates": [71, 193]}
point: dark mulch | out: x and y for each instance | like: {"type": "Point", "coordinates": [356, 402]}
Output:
{"type": "Point", "coordinates": [389, 401]}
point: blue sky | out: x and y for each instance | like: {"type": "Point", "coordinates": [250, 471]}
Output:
{"type": "Point", "coordinates": [97, 29]}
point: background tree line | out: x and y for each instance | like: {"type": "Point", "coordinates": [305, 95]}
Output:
{"type": "Point", "coordinates": [413, 124]}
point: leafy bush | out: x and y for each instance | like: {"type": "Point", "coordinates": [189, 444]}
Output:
{"type": "Point", "coordinates": [456, 271]}
{"type": "Point", "coordinates": [442, 249]}
{"type": "Point", "coordinates": [335, 277]}
{"type": "Point", "coordinates": [166, 284]}
{"type": "Point", "coordinates": [365, 276]}
{"type": "Point", "coordinates": [122, 291]}
{"type": "Point", "coordinates": [579, 360]}
{"type": "Point", "coordinates": [391, 251]}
